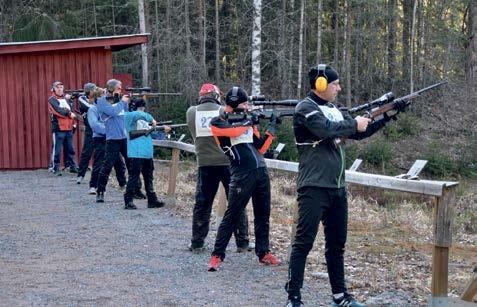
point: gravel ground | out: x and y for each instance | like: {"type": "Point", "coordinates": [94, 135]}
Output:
{"type": "Point", "coordinates": [59, 247]}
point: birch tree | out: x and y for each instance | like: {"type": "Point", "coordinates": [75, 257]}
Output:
{"type": "Point", "coordinates": [319, 30]}
{"type": "Point", "coordinates": [300, 48]}
{"type": "Point", "coordinates": [217, 43]}
{"type": "Point", "coordinates": [256, 45]}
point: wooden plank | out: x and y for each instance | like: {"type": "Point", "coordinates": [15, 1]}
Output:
{"type": "Point", "coordinates": [112, 42]}
{"type": "Point", "coordinates": [4, 161]}
{"type": "Point", "coordinates": [440, 271]}
{"type": "Point", "coordinates": [293, 228]}
{"type": "Point", "coordinates": [221, 206]}
{"type": "Point", "coordinates": [471, 289]}
{"type": "Point", "coordinates": [172, 144]}
{"type": "Point", "coordinates": [173, 171]}
{"type": "Point", "coordinates": [12, 113]}
{"type": "Point", "coordinates": [443, 218]}
{"type": "Point", "coordinates": [425, 187]}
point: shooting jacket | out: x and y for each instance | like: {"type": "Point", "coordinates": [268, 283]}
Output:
{"type": "Point", "coordinates": [241, 142]}
{"type": "Point", "coordinates": [60, 111]}
{"type": "Point", "coordinates": [113, 117]}
{"type": "Point", "coordinates": [198, 121]}
{"type": "Point", "coordinates": [84, 106]}
{"type": "Point", "coordinates": [140, 147]}
{"type": "Point", "coordinates": [317, 125]}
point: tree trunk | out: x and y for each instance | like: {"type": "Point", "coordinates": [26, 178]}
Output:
{"type": "Point", "coordinates": [406, 28]}
{"type": "Point", "coordinates": [413, 28]}
{"type": "Point", "coordinates": [300, 48]}
{"type": "Point", "coordinates": [202, 37]}
{"type": "Point", "coordinates": [142, 29]}
{"type": "Point", "coordinates": [421, 46]}
{"type": "Point", "coordinates": [189, 61]}
{"type": "Point", "coordinates": [217, 43]}
{"type": "Point", "coordinates": [472, 71]}
{"type": "Point", "coordinates": [392, 25]}
{"type": "Point", "coordinates": [336, 29]}
{"type": "Point", "coordinates": [256, 45]}
{"type": "Point", "coordinates": [113, 18]}
{"type": "Point", "coordinates": [346, 52]}
{"type": "Point", "coordinates": [319, 30]}
{"type": "Point", "coordinates": [158, 49]}
{"type": "Point", "coordinates": [282, 67]}
{"type": "Point", "coordinates": [167, 48]}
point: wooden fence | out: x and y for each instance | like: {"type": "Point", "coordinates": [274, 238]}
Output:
{"type": "Point", "coordinates": [443, 211]}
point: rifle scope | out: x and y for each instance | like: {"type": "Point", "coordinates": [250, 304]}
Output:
{"type": "Point", "coordinates": [388, 97]}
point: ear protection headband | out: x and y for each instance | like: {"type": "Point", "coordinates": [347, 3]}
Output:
{"type": "Point", "coordinates": [321, 82]}
{"type": "Point", "coordinates": [234, 96]}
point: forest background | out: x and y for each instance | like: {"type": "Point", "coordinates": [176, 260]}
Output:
{"type": "Point", "coordinates": [377, 46]}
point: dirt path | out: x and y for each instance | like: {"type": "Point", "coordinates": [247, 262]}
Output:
{"type": "Point", "coordinates": [59, 247]}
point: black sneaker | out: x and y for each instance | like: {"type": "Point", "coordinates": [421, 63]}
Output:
{"type": "Point", "coordinates": [155, 204]}
{"type": "Point", "coordinates": [130, 206]}
{"type": "Point", "coordinates": [242, 249]}
{"type": "Point", "coordinates": [197, 249]}
{"type": "Point", "coordinates": [294, 302]}
{"type": "Point", "coordinates": [57, 172]}
{"type": "Point", "coordinates": [139, 195]}
{"type": "Point", "coordinates": [73, 169]}
{"type": "Point", "coordinates": [347, 300]}
{"type": "Point", "coordinates": [100, 197]}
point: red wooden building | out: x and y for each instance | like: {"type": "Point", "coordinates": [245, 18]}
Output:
{"type": "Point", "coordinates": [27, 70]}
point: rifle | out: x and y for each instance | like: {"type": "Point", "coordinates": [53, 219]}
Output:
{"type": "Point", "coordinates": [387, 102]}
{"type": "Point", "coordinates": [133, 134]}
{"type": "Point", "coordinates": [75, 93]}
{"type": "Point", "coordinates": [146, 92]}
{"type": "Point", "coordinates": [260, 102]}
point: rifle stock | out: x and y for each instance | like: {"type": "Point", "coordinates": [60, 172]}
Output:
{"type": "Point", "coordinates": [134, 134]}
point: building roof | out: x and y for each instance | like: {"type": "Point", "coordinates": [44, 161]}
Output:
{"type": "Point", "coordinates": [115, 43]}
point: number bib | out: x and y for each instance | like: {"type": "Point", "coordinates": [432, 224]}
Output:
{"type": "Point", "coordinates": [332, 113]}
{"type": "Point", "coordinates": [202, 122]}
{"type": "Point", "coordinates": [247, 137]}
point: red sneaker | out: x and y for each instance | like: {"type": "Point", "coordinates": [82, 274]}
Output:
{"type": "Point", "coordinates": [214, 263]}
{"type": "Point", "coordinates": [269, 259]}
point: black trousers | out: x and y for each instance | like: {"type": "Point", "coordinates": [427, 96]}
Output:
{"type": "Point", "coordinates": [86, 152]}
{"type": "Point", "coordinates": [138, 166]}
{"type": "Point", "coordinates": [331, 207]}
{"type": "Point", "coordinates": [98, 160]}
{"type": "Point", "coordinates": [114, 148]}
{"type": "Point", "coordinates": [254, 184]}
{"type": "Point", "coordinates": [208, 180]}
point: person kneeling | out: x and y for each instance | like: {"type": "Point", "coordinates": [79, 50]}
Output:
{"type": "Point", "coordinates": [140, 153]}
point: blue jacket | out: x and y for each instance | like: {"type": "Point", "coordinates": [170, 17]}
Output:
{"type": "Point", "coordinates": [140, 147]}
{"type": "Point", "coordinates": [95, 122]}
{"type": "Point", "coordinates": [113, 117]}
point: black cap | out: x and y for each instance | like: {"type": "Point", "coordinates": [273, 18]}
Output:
{"type": "Point", "coordinates": [136, 103]}
{"type": "Point", "coordinates": [235, 96]}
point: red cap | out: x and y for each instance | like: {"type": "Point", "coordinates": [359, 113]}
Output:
{"type": "Point", "coordinates": [209, 88]}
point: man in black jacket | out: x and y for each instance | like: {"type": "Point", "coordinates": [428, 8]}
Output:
{"type": "Point", "coordinates": [319, 126]}
{"type": "Point", "coordinates": [85, 102]}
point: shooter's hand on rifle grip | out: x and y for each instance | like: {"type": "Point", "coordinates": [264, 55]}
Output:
{"type": "Point", "coordinates": [272, 126]}
{"type": "Point", "coordinates": [362, 123]}
{"type": "Point", "coordinates": [67, 96]}
{"type": "Point", "coordinates": [167, 129]}
{"type": "Point", "coordinates": [126, 98]}
{"type": "Point", "coordinates": [154, 123]}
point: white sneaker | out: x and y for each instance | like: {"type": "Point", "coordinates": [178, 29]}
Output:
{"type": "Point", "coordinates": [79, 179]}
{"type": "Point", "coordinates": [92, 191]}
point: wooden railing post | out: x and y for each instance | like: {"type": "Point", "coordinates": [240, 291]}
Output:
{"type": "Point", "coordinates": [442, 224]}
{"type": "Point", "coordinates": [173, 171]}
{"type": "Point", "coordinates": [294, 212]}
{"type": "Point", "coordinates": [221, 206]}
